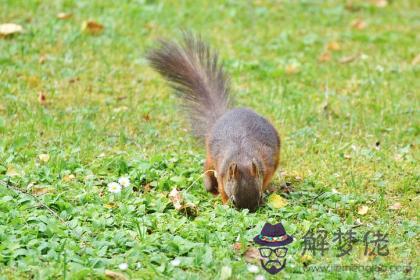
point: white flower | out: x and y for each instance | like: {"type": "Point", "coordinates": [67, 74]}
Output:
{"type": "Point", "coordinates": [124, 181]}
{"type": "Point", "coordinates": [114, 187]}
{"type": "Point", "coordinates": [123, 266]}
{"type": "Point", "coordinates": [253, 268]}
{"type": "Point", "coordinates": [176, 262]}
{"type": "Point", "coordinates": [259, 277]}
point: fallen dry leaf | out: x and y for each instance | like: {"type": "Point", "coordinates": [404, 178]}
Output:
{"type": "Point", "coordinates": [333, 46]}
{"type": "Point", "coordinates": [64, 15]}
{"type": "Point", "coordinates": [147, 188]}
{"type": "Point", "coordinates": [276, 201]}
{"type": "Point", "coordinates": [39, 190]}
{"type": "Point", "coordinates": [42, 99]}
{"type": "Point", "coordinates": [359, 24]}
{"type": "Point", "coordinates": [119, 98]}
{"type": "Point", "coordinates": [291, 69]}
{"type": "Point", "coordinates": [146, 117]}
{"type": "Point", "coordinates": [395, 206]}
{"type": "Point", "coordinates": [181, 205]}
{"type": "Point", "coordinates": [42, 59]}
{"type": "Point", "coordinates": [348, 59]}
{"type": "Point", "coordinates": [416, 60]}
{"type": "Point", "coordinates": [110, 205]}
{"type": "Point", "coordinates": [68, 178]}
{"type": "Point", "coordinates": [398, 157]}
{"type": "Point", "coordinates": [362, 210]}
{"type": "Point", "coordinates": [92, 27]}
{"type": "Point", "coordinates": [324, 57]}
{"type": "Point", "coordinates": [12, 171]}
{"type": "Point", "coordinates": [380, 3]}
{"type": "Point", "coordinates": [252, 255]}
{"type": "Point", "coordinates": [121, 109]}
{"type": "Point", "coordinates": [176, 198]}
{"type": "Point", "coordinates": [73, 80]}
{"type": "Point", "coordinates": [347, 156]}
{"type": "Point", "coordinates": [115, 275]}
{"type": "Point", "coordinates": [237, 246]}
{"type": "Point", "coordinates": [44, 157]}
{"type": "Point", "coordinates": [7, 29]}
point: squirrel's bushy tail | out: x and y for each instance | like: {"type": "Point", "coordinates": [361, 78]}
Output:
{"type": "Point", "coordinates": [195, 73]}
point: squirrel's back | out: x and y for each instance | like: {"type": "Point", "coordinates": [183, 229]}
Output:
{"type": "Point", "coordinates": [243, 131]}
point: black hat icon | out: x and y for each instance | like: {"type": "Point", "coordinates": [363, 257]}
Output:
{"type": "Point", "coordinates": [273, 236]}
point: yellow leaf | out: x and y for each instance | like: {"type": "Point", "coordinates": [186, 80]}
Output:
{"type": "Point", "coordinates": [380, 3]}
{"type": "Point", "coordinates": [7, 29]}
{"type": "Point", "coordinates": [44, 157]}
{"type": "Point", "coordinates": [362, 210]}
{"type": "Point", "coordinates": [291, 69]}
{"type": "Point", "coordinates": [63, 15]}
{"type": "Point", "coordinates": [68, 178]}
{"type": "Point", "coordinates": [416, 60]}
{"type": "Point", "coordinates": [333, 46]}
{"type": "Point", "coordinates": [12, 171]}
{"type": "Point", "coordinates": [110, 205]}
{"type": "Point", "coordinates": [307, 259]}
{"type": "Point", "coordinates": [39, 190]}
{"type": "Point", "coordinates": [276, 201]}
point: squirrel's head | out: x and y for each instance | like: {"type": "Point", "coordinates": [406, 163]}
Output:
{"type": "Point", "coordinates": [243, 185]}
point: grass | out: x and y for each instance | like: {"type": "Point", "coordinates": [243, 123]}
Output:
{"type": "Point", "coordinates": [350, 128]}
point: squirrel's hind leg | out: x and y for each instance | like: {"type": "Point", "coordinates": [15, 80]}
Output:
{"type": "Point", "coordinates": [210, 181]}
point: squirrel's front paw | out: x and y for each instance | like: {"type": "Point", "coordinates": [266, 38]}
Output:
{"type": "Point", "coordinates": [210, 182]}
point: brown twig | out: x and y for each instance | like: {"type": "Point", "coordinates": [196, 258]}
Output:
{"type": "Point", "coordinates": [40, 203]}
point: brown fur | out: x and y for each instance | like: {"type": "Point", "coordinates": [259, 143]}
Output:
{"type": "Point", "coordinates": [242, 147]}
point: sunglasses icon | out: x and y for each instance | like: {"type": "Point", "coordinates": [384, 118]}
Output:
{"type": "Point", "coordinates": [267, 252]}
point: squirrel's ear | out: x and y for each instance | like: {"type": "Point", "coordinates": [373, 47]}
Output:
{"type": "Point", "coordinates": [233, 170]}
{"type": "Point", "coordinates": [254, 169]}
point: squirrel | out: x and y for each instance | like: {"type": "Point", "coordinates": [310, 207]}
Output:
{"type": "Point", "coordinates": [243, 148]}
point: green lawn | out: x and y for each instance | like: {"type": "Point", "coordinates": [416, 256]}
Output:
{"type": "Point", "coordinates": [338, 79]}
